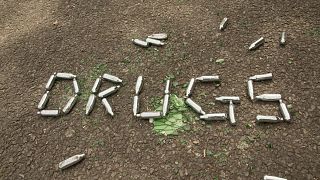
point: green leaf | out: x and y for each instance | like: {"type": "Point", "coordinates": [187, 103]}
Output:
{"type": "Point", "coordinates": [158, 123]}
{"type": "Point", "coordinates": [160, 127]}
{"type": "Point", "coordinates": [175, 84]}
{"type": "Point", "coordinates": [170, 132]}
{"type": "Point", "coordinates": [187, 127]}
{"type": "Point", "coordinates": [175, 120]}
{"type": "Point", "coordinates": [209, 153]}
{"type": "Point", "coordinates": [159, 108]}
{"type": "Point", "coordinates": [170, 76]}
{"type": "Point", "coordinates": [177, 116]}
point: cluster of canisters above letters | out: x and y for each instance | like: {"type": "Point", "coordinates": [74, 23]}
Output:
{"type": "Point", "coordinates": [154, 39]}
{"type": "Point", "coordinates": [45, 98]}
{"type": "Point", "coordinates": [258, 42]}
{"type": "Point", "coordinates": [268, 97]}
{"type": "Point", "coordinates": [154, 114]}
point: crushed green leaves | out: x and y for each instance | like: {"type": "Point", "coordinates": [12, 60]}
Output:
{"type": "Point", "coordinates": [176, 119]}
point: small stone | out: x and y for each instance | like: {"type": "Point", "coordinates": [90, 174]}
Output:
{"type": "Point", "coordinates": [196, 142]}
{"type": "Point", "coordinates": [113, 174]}
{"type": "Point", "coordinates": [242, 145]}
{"type": "Point", "coordinates": [222, 174]}
{"type": "Point", "coordinates": [186, 172]}
{"type": "Point", "coordinates": [151, 120]}
{"type": "Point", "coordinates": [312, 108]}
{"type": "Point", "coordinates": [181, 173]}
{"type": "Point", "coordinates": [151, 170]}
{"type": "Point", "coordinates": [310, 176]}
{"type": "Point", "coordinates": [33, 137]}
{"type": "Point", "coordinates": [305, 131]}
{"type": "Point", "coordinates": [220, 61]}
{"type": "Point", "coordinates": [69, 132]}
{"type": "Point", "coordinates": [29, 154]}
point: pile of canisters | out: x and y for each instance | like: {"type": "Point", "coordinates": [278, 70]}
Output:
{"type": "Point", "coordinates": [224, 99]}
{"type": "Point", "coordinates": [103, 94]}
{"type": "Point", "coordinates": [268, 97]}
{"type": "Point", "coordinates": [154, 39]}
{"type": "Point", "coordinates": [45, 98]}
{"type": "Point", "coordinates": [154, 114]}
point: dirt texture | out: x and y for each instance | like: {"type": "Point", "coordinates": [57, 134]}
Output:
{"type": "Point", "coordinates": [89, 38]}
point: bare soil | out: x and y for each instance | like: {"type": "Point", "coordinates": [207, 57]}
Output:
{"type": "Point", "coordinates": [89, 38]}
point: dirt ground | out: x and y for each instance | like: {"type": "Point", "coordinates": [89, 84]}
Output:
{"type": "Point", "coordinates": [89, 38]}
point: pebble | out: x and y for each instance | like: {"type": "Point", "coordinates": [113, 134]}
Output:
{"type": "Point", "coordinates": [29, 154]}
{"type": "Point", "coordinates": [113, 174]}
{"type": "Point", "coordinates": [181, 173]}
{"type": "Point", "coordinates": [69, 132]}
{"type": "Point", "coordinates": [309, 176]}
{"type": "Point", "coordinates": [312, 108]}
{"type": "Point", "coordinates": [33, 137]}
{"type": "Point", "coordinates": [222, 174]}
{"type": "Point", "coordinates": [196, 142]}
